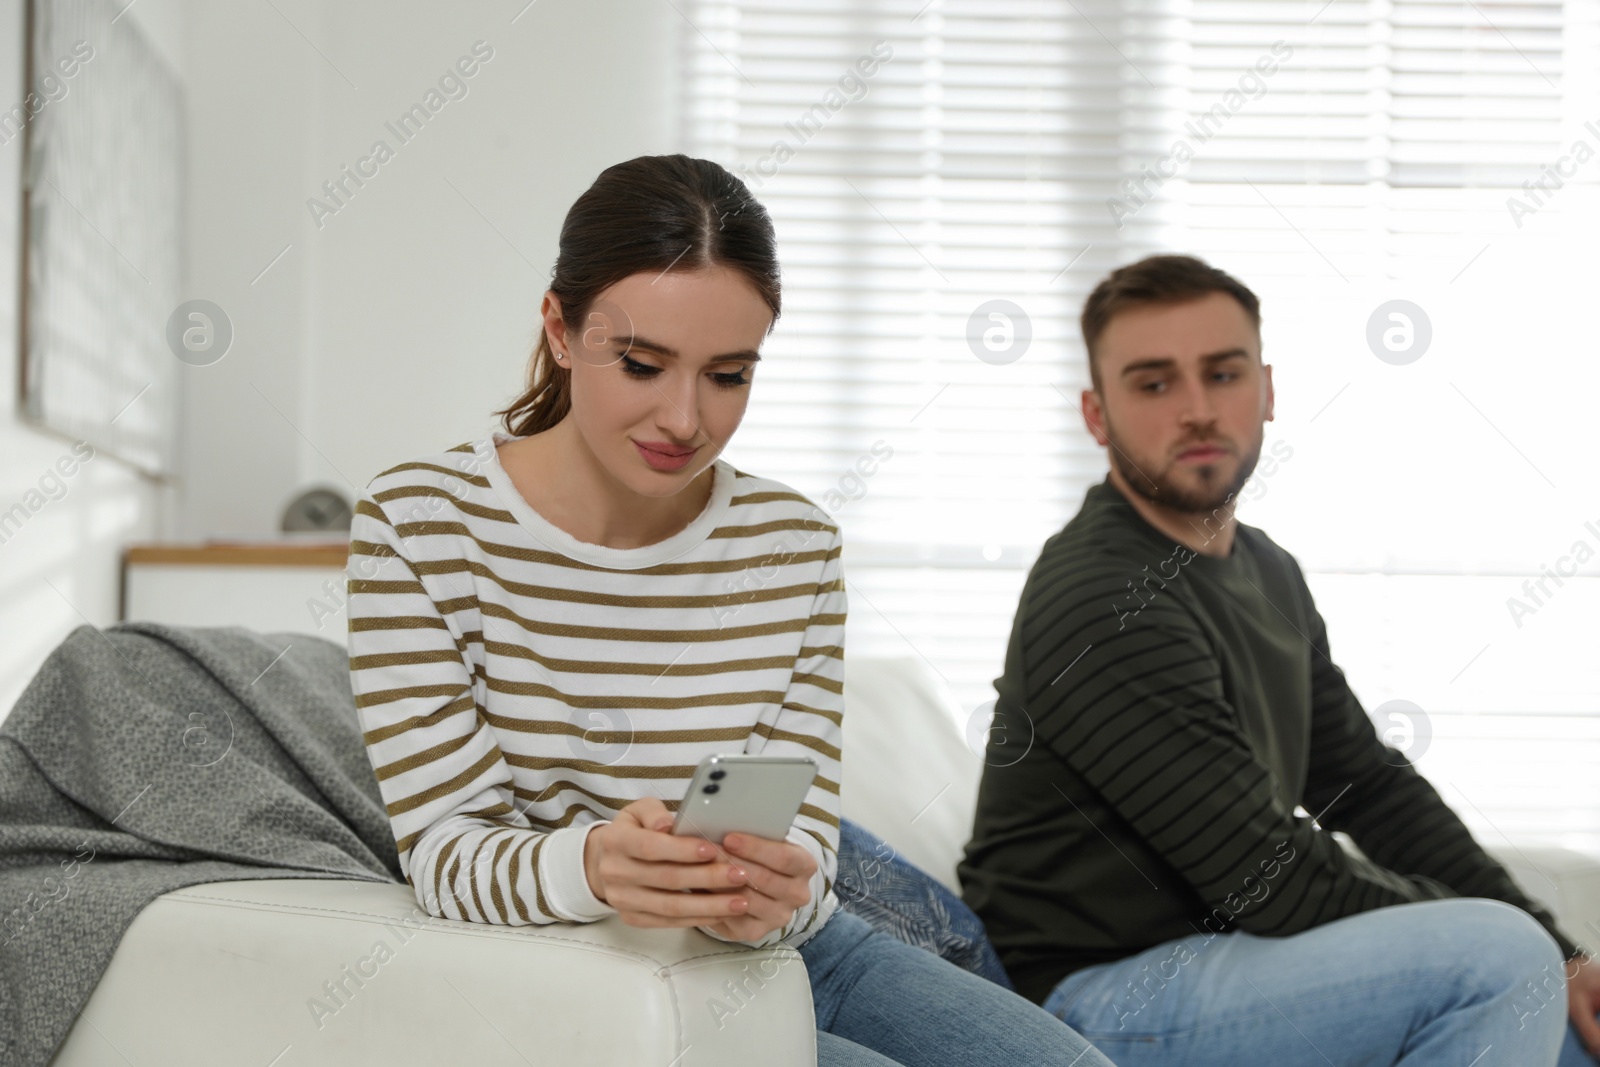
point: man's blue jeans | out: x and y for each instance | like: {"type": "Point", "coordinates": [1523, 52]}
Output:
{"type": "Point", "coordinates": [880, 1001]}
{"type": "Point", "coordinates": [1447, 982]}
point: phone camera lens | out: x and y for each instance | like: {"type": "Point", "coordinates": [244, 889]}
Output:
{"type": "Point", "coordinates": [712, 788]}
{"type": "Point", "coordinates": [718, 775]}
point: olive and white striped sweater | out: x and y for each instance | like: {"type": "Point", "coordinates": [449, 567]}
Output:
{"type": "Point", "coordinates": [516, 686]}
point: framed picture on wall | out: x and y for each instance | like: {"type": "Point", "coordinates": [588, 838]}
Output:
{"type": "Point", "coordinates": [103, 165]}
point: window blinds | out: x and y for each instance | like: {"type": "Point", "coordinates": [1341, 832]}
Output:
{"type": "Point", "coordinates": [950, 179]}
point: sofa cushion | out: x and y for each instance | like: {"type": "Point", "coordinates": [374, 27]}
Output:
{"type": "Point", "coordinates": [910, 775]}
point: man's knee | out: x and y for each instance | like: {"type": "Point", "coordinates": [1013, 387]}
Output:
{"type": "Point", "coordinates": [1509, 934]}
{"type": "Point", "coordinates": [1507, 952]}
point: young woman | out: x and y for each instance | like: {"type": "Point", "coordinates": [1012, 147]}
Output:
{"type": "Point", "coordinates": [549, 627]}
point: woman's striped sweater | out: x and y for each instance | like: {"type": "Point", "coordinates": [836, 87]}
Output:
{"type": "Point", "coordinates": [516, 686]}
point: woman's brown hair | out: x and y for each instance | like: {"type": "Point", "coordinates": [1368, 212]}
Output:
{"type": "Point", "coordinates": [653, 213]}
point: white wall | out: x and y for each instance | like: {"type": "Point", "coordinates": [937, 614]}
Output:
{"type": "Point", "coordinates": [60, 567]}
{"type": "Point", "coordinates": [398, 325]}
{"type": "Point", "coordinates": [390, 331]}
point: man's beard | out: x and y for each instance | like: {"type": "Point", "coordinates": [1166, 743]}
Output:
{"type": "Point", "coordinates": [1160, 490]}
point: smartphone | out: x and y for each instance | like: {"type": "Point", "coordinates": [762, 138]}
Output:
{"type": "Point", "coordinates": [757, 795]}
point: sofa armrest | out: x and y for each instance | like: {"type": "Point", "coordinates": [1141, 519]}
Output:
{"type": "Point", "coordinates": [295, 972]}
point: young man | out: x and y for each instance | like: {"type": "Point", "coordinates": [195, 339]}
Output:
{"type": "Point", "coordinates": [1141, 868]}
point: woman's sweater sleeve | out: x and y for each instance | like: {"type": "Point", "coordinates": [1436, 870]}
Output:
{"type": "Point", "coordinates": [465, 847]}
{"type": "Point", "coordinates": [810, 722]}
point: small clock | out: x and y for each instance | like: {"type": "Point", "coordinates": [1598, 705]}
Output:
{"type": "Point", "coordinates": [317, 510]}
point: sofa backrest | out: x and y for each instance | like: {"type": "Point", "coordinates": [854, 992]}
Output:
{"type": "Point", "coordinates": [909, 775]}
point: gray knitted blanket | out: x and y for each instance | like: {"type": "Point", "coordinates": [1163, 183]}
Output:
{"type": "Point", "coordinates": [146, 758]}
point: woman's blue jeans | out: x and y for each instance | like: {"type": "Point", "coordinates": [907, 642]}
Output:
{"type": "Point", "coordinates": [1459, 982]}
{"type": "Point", "coordinates": [880, 1001]}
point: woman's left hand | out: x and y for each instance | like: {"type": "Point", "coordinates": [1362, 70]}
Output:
{"type": "Point", "coordinates": [777, 883]}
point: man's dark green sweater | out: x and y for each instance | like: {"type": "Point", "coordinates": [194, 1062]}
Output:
{"type": "Point", "coordinates": [1172, 710]}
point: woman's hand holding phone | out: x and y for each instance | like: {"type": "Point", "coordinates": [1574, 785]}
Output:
{"type": "Point", "coordinates": [778, 883]}
{"type": "Point", "coordinates": [638, 866]}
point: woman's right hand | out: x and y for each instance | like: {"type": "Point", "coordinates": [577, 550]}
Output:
{"type": "Point", "coordinates": [638, 866]}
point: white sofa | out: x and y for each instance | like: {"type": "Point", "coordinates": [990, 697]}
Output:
{"type": "Point", "coordinates": [290, 973]}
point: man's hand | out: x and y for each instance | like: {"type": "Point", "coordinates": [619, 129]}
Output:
{"type": "Point", "coordinates": [778, 876]}
{"type": "Point", "coordinates": [638, 867]}
{"type": "Point", "coordinates": [1583, 1000]}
